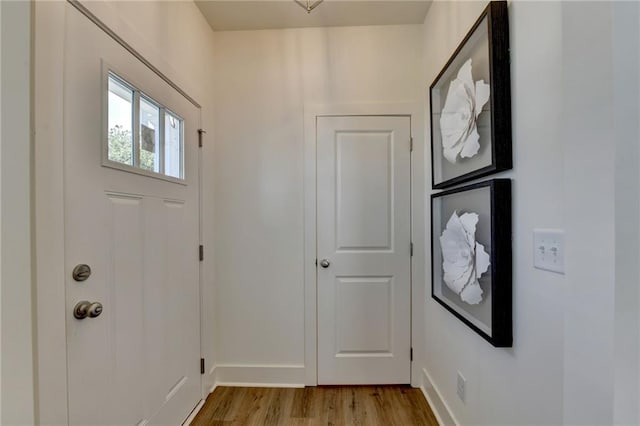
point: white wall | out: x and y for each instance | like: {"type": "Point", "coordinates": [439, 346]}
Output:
{"type": "Point", "coordinates": [601, 321]}
{"type": "Point", "coordinates": [17, 369]}
{"type": "Point", "coordinates": [589, 202]}
{"type": "Point", "coordinates": [0, 215]}
{"type": "Point", "coordinates": [177, 40]}
{"type": "Point", "coordinates": [574, 70]}
{"type": "Point", "coordinates": [522, 384]}
{"type": "Point", "coordinates": [601, 134]}
{"type": "Point", "coordinates": [626, 80]}
{"type": "Point", "coordinates": [263, 81]}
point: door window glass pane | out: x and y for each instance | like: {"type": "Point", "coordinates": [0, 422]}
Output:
{"type": "Point", "coordinates": [120, 122]}
{"type": "Point", "coordinates": [149, 136]}
{"type": "Point", "coordinates": [172, 145]}
{"type": "Point", "coordinates": [143, 135]}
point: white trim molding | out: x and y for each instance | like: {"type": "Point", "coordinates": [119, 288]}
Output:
{"type": "Point", "coordinates": [194, 413]}
{"type": "Point", "coordinates": [51, 356]}
{"type": "Point", "coordinates": [440, 409]}
{"type": "Point", "coordinates": [415, 110]}
{"type": "Point", "coordinates": [16, 263]}
{"type": "Point", "coordinates": [209, 382]}
{"type": "Point", "coordinates": [260, 375]}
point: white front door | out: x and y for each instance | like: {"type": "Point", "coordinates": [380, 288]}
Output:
{"type": "Point", "coordinates": [137, 363]}
{"type": "Point", "coordinates": [363, 237]}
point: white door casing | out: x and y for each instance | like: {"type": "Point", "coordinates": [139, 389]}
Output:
{"type": "Point", "coordinates": [138, 362]}
{"type": "Point", "coordinates": [364, 232]}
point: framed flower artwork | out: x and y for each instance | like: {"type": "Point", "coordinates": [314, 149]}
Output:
{"type": "Point", "coordinates": [471, 257]}
{"type": "Point", "coordinates": [470, 103]}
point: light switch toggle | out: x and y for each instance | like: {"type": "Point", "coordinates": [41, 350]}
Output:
{"type": "Point", "coordinates": [548, 253]}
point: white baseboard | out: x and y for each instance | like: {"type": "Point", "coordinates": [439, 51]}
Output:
{"type": "Point", "coordinates": [194, 413]}
{"type": "Point", "coordinates": [213, 379]}
{"type": "Point", "coordinates": [440, 409]}
{"type": "Point", "coordinates": [281, 376]}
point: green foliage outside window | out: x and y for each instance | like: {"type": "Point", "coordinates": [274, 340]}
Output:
{"type": "Point", "coordinates": [120, 149]}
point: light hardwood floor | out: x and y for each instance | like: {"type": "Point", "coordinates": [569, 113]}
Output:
{"type": "Point", "coordinates": [315, 406]}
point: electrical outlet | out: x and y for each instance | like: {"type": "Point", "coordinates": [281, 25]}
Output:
{"type": "Point", "coordinates": [462, 387]}
{"type": "Point", "coordinates": [548, 249]}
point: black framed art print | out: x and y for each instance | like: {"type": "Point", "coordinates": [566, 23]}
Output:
{"type": "Point", "coordinates": [471, 257]}
{"type": "Point", "coordinates": [470, 104]}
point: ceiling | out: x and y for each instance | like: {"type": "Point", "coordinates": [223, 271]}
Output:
{"type": "Point", "coordinates": [228, 15]}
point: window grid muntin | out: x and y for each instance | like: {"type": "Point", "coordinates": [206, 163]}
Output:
{"type": "Point", "coordinates": [160, 108]}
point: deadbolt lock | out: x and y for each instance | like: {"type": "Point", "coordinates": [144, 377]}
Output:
{"type": "Point", "coordinates": [81, 272]}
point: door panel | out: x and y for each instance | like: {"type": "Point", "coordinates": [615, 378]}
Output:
{"type": "Point", "coordinates": [363, 166]}
{"type": "Point", "coordinates": [364, 315]}
{"type": "Point", "coordinates": [364, 191]}
{"type": "Point", "coordinates": [138, 362]}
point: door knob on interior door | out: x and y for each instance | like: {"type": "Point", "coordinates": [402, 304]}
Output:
{"type": "Point", "coordinates": [85, 309]}
{"type": "Point", "coordinates": [325, 263]}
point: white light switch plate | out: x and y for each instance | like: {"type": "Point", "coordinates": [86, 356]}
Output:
{"type": "Point", "coordinates": [548, 250]}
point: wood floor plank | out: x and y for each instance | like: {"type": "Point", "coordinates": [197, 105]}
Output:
{"type": "Point", "coordinates": [386, 412]}
{"type": "Point", "coordinates": [363, 412]}
{"type": "Point", "coordinates": [421, 410]}
{"type": "Point", "coordinates": [316, 406]}
{"type": "Point", "coordinates": [279, 407]}
{"type": "Point", "coordinates": [305, 402]}
{"type": "Point", "coordinates": [404, 413]}
{"type": "Point", "coordinates": [229, 398]}
{"type": "Point", "coordinates": [254, 408]}
{"type": "Point", "coordinates": [332, 411]}
{"type": "Point", "coordinates": [299, 421]}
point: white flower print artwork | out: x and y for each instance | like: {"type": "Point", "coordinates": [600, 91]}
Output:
{"type": "Point", "coordinates": [458, 120]}
{"type": "Point", "coordinates": [464, 259]}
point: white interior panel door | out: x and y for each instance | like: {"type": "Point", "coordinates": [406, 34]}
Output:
{"type": "Point", "coordinates": [137, 363]}
{"type": "Point", "coordinates": [363, 220]}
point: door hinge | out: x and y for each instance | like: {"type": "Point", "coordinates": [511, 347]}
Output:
{"type": "Point", "coordinates": [201, 252]}
{"type": "Point", "coordinates": [411, 144]}
{"type": "Point", "coordinates": [411, 249]}
{"type": "Point", "coordinates": [201, 365]}
{"type": "Point", "coordinates": [411, 354]}
{"type": "Point", "coordinates": [316, 263]}
{"type": "Point", "coordinates": [200, 133]}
